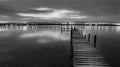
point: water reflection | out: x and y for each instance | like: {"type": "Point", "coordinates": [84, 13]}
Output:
{"type": "Point", "coordinates": [51, 32]}
{"type": "Point", "coordinates": [117, 28]}
{"type": "Point", "coordinates": [27, 27]}
{"type": "Point", "coordinates": [46, 36]}
{"type": "Point", "coordinates": [101, 28]}
{"type": "Point", "coordinates": [23, 46]}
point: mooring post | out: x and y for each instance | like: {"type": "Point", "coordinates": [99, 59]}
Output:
{"type": "Point", "coordinates": [61, 28]}
{"type": "Point", "coordinates": [95, 39]}
{"type": "Point", "coordinates": [88, 37]}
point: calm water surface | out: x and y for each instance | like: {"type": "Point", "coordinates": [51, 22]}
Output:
{"type": "Point", "coordinates": [48, 46]}
{"type": "Point", "coordinates": [41, 46]}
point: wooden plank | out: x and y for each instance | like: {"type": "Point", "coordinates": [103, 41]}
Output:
{"type": "Point", "coordinates": [84, 54]}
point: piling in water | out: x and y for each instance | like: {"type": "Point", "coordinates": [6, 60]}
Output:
{"type": "Point", "coordinates": [88, 37]}
{"type": "Point", "coordinates": [95, 39]}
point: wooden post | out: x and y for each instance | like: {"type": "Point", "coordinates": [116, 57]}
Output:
{"type": "Point", "coordinates": [88, 37]}
{"type": "Point", "coordinates": [61, 28]}
{"type": "Point", "coordinates": [95, 39]}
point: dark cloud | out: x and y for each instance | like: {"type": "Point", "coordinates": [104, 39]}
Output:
{"type": "Point", "coordinates": [93, 8]}
{"type": "Point", "coordinates": [5, 9]}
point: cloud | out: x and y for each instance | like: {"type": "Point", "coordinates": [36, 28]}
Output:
{"type": "Point", "coordinates": [5, 9]}
{"type": "Point", "coordinates": [50, 13]}
{"type": "Point", "coordinates": [4, 16]}
{"type": "Point", "coordinates": [92, 8]}
{"type": "Point", "coordinates": [4, 0]}
{"type": "Point", "coordinates": [34, 10]}
{"type": "Point", "coordinates": [44, 8]}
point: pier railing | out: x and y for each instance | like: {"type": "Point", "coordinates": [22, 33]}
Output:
{"type": "Point", "coordinates": [92, 38]}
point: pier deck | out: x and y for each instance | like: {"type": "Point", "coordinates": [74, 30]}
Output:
{"type": "Point", "coordinates": [84, 54]}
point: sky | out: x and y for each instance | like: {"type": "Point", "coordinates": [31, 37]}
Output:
{"type": "Point", "coordinates": [80, 10]}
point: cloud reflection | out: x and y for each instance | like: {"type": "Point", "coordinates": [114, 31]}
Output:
{"type": "Point", "coordinates": [46, 36]}
{"type": "Point", "coordinates": [117, 28]}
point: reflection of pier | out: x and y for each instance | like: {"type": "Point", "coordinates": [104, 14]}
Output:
{"type": "Point", "coordinates": [10, 26]}
{"type": "Point", "coordinates": [29, 27]}
{"type": "Point", "coordinates": [84, 54]}
{"type": "Point", "coordinates": [13, 27]}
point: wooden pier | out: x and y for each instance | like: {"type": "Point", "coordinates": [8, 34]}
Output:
{"type": "Point", "coordinates": [84, 53]}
